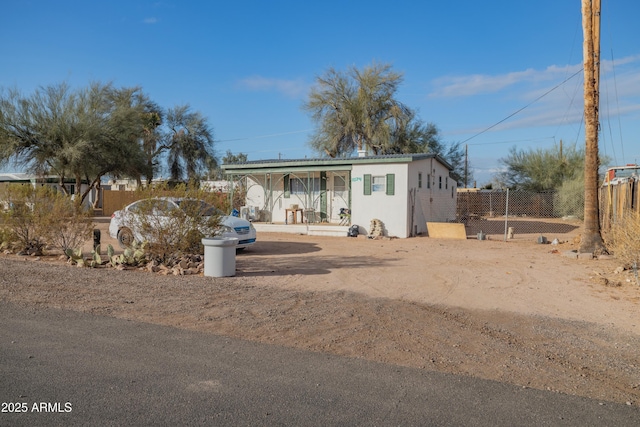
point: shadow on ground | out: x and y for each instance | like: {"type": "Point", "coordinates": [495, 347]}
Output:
{"type": "Point", "coordinates": [520, 226]}
{"type": "Point", "coordinates": [293, 265]}
{"type": "Point", "coordinates": [281, 248]}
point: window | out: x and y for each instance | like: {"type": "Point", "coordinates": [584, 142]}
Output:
{"type": "Point", "coordinates": [419, 179]}
{"type": "Point", "coordinates": [299, 186]}
{"type": "Point", "coordinates": [304, 185]}
{"type": "Point", "coordinates": [152, 206]}
{"type": "Point", "coordinates": [446, 182]}
{"type": "Point", "coordinates": [440, 182]}
{"type": "Point", "coordinates": [428, 180]}
{"type": "Point", "coordinates": [379, 184]}
{"type": "Point", "coordinates": [340, 186]}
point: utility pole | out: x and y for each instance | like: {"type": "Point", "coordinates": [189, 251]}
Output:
{"type": "Point", "coordinates": [466, 165]}
{"type": "Point", "coordinates": [561, 156]}
{"type": "Point", "coordinates": [591, 239]}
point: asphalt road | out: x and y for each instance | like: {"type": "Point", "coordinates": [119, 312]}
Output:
{"type": "Point", "coordinates": [67, 368]}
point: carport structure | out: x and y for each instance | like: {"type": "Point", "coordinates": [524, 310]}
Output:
{"type": "Point", "coordinates": [307, 190]}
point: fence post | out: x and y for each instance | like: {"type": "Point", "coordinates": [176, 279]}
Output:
{"type": "Point", "coordinates": [506, 216]}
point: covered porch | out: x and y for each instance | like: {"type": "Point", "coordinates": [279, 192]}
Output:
{"type": "Point", "coordinates": [313, 194]}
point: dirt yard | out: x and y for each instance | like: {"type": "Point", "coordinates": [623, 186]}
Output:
{"type": "Point", "coordinates": [516, 312]}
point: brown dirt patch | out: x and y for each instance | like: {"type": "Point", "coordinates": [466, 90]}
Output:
{"type": "Point", "coordinates": [516, 312]}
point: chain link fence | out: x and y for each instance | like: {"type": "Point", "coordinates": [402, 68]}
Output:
{"type": "Point", "coordinates": [505, 214]}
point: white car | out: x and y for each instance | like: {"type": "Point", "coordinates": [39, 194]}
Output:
{"type": "Point", "coordinates": [230, 226]}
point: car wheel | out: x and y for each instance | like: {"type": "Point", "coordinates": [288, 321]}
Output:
{"type": "Point", "coordinates": [125, 238]}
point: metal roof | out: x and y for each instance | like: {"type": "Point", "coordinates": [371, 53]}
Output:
{"type": "Point", "coordinates": [17, 177]}
{"type": "Point", "coordinates": [327, 163]}
{"type": "Point", "coordinates": [12, 177]}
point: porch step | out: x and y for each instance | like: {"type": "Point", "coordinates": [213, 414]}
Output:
{"type": "Point", "coordinates": [311, 229]}
{"type": "Point", "coordinates": [328, 230]}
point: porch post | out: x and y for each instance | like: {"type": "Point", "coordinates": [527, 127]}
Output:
{"type": "Point", "coordinates": [323, 196]}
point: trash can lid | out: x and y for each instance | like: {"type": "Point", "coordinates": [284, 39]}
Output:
{"type": "Point", "coordinates": [220, 241]}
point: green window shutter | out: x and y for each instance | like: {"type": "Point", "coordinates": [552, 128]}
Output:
{"type": "Point", "coordinates": [287, 187]}
{"type": "Point", "coordinates": [367, 184]}
{"type": "Point", "coordinates": [391, 184]}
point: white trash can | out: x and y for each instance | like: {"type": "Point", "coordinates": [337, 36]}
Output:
{"type": "Point", "coordinates": [220, 256]}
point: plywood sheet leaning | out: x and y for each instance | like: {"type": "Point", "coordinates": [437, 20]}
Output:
{"type": "Point", "coordinates": [446, 230]}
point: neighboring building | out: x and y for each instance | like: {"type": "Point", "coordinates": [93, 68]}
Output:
{"type": "Point", "coordinates": [404, 191]}
{"type": "Point", "coordinates": [129, 184]}
{"type": "Point", "coordinates": [50, 180]}
{"type": "Point", "coordinates": [217, 186]}
{"type": "Point", "coordinates": [121, 184]}
{"type": "Point", "coordinates": [621, 174]}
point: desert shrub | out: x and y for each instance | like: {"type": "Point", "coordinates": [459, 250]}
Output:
{"type": "Point", "coordinates": [239, 198]}
{"type": "Point", "coordinates": [221, 201]}
{"type": "Point", "coordinates": [171, 231]}
{"type": "Point", "coordinates": [68, 225]}
{"type": "Point", "coordinates": [7, 237]}
{"type": "Point", "coordinates": [569, 198]}
{"type": "Point", "coordinates": [624, 242]}
{"type": "Point", "coordinates": [24, 217]}
{"type": "Point", "coordinates": [37, 217]}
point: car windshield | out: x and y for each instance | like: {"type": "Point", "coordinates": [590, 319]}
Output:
{"type": "Point", "coordinates": [204, 208]}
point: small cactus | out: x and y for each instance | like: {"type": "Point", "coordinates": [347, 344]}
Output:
{"type": "Point", "coordinates": [134, 255]}
{"type": "Point", "coordinates": [96, 259]}
{"type": "Point", "coordinates": [75, 256]}
{"type": "Point", "coordinates": [114, 259]}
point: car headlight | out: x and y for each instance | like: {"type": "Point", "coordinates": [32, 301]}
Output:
{"type": "Point", "coordinates": [251, 226]}
{"type": "Point", "coordinates": [226, 229]}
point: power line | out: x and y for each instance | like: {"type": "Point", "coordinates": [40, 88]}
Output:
{"type": "Point", "coordinates": [513, 140]}
{"type": "Point", "coordinates": [526, 106]}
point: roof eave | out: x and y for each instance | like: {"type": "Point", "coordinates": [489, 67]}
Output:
{"type": "Point", "coordinates": [345, 163]}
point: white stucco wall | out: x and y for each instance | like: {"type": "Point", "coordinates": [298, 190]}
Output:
{"type": "Point", "coordinates": [416, 200]}
{"type": "Point", "coordinates": [435, 198]}
{"type": "Point", "coordinates": [258, 191]}
{"type": "Point", "coordinates": [255, 193]}
{"type": "Point", "coordinates": [390, 209]}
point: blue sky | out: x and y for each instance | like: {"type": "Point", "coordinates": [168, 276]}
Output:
{"type": "Point", "coordinates": [248, 66]}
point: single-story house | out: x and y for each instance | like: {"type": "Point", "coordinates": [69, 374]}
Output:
{"type": "Point", "coordinates": [34, 180]}
{"type": "Point", "coordinates": [403, 191]}
{"type": "Point", "coordinates": [49, 180]}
